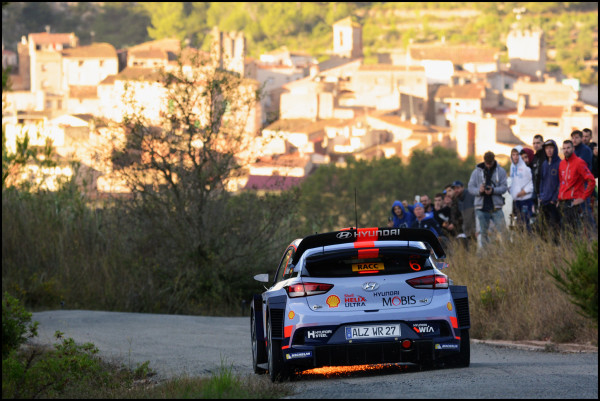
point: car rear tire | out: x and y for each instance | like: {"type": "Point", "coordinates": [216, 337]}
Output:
{"type": "Point", "coordinates": [258, 347]}
{"type": "Point", "coordinates": [278, 371]}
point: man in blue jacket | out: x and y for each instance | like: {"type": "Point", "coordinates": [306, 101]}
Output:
{"type": "Point", "coordinates": [421, 221]}
{"type": "Point", "coordinates": [549, 184]}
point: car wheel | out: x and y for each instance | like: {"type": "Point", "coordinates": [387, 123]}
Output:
{"type": "Point", "coordinates": [277, 368]}
{"type": "Point", "coordinates": [258, 349]}
{"type": "Point", "coordinates": [463, 359]}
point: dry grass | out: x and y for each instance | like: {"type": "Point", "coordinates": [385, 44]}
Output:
{"type": "Point", "coordinates": [511, 295]}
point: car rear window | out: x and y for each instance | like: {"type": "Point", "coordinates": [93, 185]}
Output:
{"type": "Point", "coordinates": [351, 263]}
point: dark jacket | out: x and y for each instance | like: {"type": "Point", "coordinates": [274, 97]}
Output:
{"type": "Point", "coordinates": [456, 216]}
{"type": "Point", "coordinates": [549, 178]}
{"type": "Point", "coordinates": [594, 160]}
{"type": "Point", "coordinates": [536, 169]}
{"type": "Point", "coordinates": [584, 152]}
{"type": "Point", "coordinates": [466, 203]}
{"type": "Point", "coordinates": [407, 216]}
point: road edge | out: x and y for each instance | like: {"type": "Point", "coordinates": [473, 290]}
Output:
{"type": "Point", "coordinates": [543, 346]}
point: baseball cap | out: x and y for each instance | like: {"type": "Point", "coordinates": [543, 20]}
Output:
{"type": "Point", "coordinates": [419, 204]}
{"type": "Point", "coordinates": [549, 142]}
{"type": "Point", "coordinates": [457, 184]}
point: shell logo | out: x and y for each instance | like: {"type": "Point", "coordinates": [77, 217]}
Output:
{"type": "Point", "coordinates": [449, 306]}
{"type": "Point", "coordinates": [291, 315]}
{"type": "Point", "coordinates": [333, 301]}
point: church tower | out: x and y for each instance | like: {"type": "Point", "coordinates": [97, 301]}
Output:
{"type": "Point", "coordinates": [347, 39]}
{"type": "Point", "coordinates": [527, 51]}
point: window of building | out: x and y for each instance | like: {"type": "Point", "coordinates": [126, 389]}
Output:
{"type": "Point", "coordinates": [43, 67]}
{"type": "Point", "coordinates": [101, 63]}
{"type": "Point", "coordinates": [552, 123]}
{"type": "Point", "coordinates": [80, 63]}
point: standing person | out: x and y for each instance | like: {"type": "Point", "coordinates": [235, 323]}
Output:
{"type": "Point", "coordinates": [586, 136]}
{"type": "Point", "coordinates": [527, 155]}
{"type": "Point", "coordinates": [441, 213]}
{"type": "Point", "coordinates": [572, 193]}
{"type": "Point", "coordinates": [487, 184]}
{"type": "Point", "coordinates": [400, 217]}
{"type": "Point", "coordinates": [581, 150]}
{"type": "Point", "coordinates": [427, 203]}
{"type": "Point", "coordinates": [456, 218]}
{"type": "Point", "coordinates": [521, 188]}
{"type": "Point", "coordinates": [536, 165]}
{"type": "Point", "coordinates": [449, 225]}
{"type": "Point", "coordinates": [584, 152]}
{"type": "Point", "coordinates": [466, 206]}
{"type": "Point", "coordinates": [594, 147]}
{"type": "Point", "coordinates": [549, 186]}
{"type": "Point", "coordinates": [421, 221]}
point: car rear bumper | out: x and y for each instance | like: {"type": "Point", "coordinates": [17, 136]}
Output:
{"type": "Point", "coordinates": [421, 351]}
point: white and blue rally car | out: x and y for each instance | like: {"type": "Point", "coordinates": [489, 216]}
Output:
{"type": "Point", "coordinates": [359, 296]}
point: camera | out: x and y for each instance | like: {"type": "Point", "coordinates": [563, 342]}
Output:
{"type": "Point", "coordinates": [488, 187]}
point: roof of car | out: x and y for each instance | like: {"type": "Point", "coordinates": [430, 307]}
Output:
{"type": "Point", "coordinates": [370, 235]}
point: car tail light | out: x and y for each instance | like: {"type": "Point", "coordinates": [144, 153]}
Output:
{"type": "Point", "coordinates": [434, 281]}
{"type": "Point", "coordinates": [307, 289]}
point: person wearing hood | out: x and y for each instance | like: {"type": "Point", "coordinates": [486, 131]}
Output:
{"type": "Point", "coordinates": [527, 155]}
{"type": "Point", "coordinates": [549, 185]}
{"type": "Point", "coordinates": [487, 184]}
{"type": "Point", "coordinates": [400, 217]}
{"type": "Point", "coordinates": [521, 188]}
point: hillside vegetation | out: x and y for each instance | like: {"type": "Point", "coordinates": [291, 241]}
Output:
{"type": "Point", "coordinates": [571, 28]}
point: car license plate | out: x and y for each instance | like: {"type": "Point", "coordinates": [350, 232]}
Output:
{"type": "Point", "coordinates": [378, 331]}
{"type": "Point", "coordinates": [359, 267]}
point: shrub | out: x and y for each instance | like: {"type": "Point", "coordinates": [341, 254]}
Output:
{"type": "Point", "coordinates": [69, 370]}
{"type": "Point", "coordinates": [579, 279]}
{"type": "Point", "coordinates": [16, 325]}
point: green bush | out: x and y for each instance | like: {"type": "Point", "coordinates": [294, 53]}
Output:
{"type": "Point", "coordinates": [16, 325]}
{"type": "Point", "coordinates": [579, 279]}
{"type": "Point", "coordinates": [67, 371]}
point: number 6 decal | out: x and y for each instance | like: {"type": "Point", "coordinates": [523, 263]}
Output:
{"type": "Point", "coordinates": [414, 265]}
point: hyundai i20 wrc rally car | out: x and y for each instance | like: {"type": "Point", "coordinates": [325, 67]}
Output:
{"type": "Point", "coordinates": [359, 296]}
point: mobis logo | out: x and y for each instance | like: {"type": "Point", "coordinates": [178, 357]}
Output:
{"type": "Point", "coordinates": [399, 301]}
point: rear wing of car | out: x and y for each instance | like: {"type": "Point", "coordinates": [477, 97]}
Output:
{"type": "Point", "coordinates": [370, 234]}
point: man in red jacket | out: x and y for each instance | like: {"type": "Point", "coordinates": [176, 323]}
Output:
{"type": "Point", "coordinates": [572, 193]}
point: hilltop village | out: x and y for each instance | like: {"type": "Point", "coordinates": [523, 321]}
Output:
{"type": "Point", "coordinates": [458, 97]}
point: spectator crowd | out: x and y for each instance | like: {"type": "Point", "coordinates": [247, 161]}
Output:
{"type": "Point", "coordinates": [550, 195]}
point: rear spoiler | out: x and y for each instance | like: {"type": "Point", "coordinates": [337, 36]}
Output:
{"type": "Point", "coordinates": [370, 234]}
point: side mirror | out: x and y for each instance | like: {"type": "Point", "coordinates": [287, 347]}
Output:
{"type": "Point", "coordinates": [263, 278]}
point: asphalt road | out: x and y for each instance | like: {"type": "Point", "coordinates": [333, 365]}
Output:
{"type": "Point", "coordinates": [198, 345]}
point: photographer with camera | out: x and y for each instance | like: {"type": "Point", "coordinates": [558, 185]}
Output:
{"type": "Point", "coordinates": [487, 184]}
